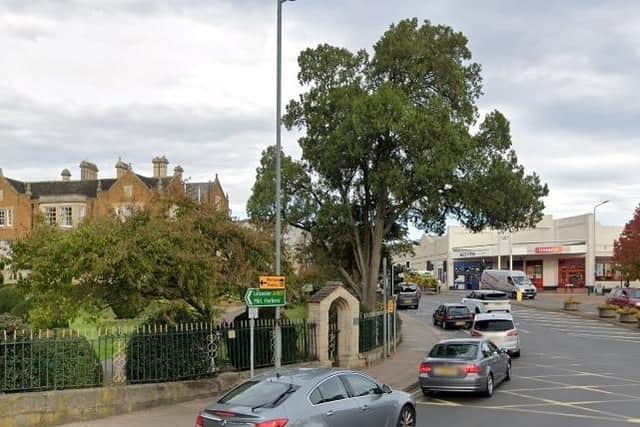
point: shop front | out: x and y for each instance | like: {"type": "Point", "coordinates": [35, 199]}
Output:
{"type": "Point", "coordinates": [571, 272]}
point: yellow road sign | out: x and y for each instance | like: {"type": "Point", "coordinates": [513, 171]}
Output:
{"type": "Point", "coordinates": [271, 282]}
{"type": "Point", "coordinates": [390, 306]}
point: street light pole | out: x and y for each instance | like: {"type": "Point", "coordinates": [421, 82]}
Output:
{"type": "Point", "coordinates": [277, 341]}
{"type": "Point", "coordinates": [593, 276]}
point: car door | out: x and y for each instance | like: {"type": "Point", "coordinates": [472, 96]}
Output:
{"type": "Point", "coordinates": [502, 359]}
{"type": "Point", "coordinates": [370, 406]}
{"type": "Point", "coordinates": [330, 404]}
{"type": "Point", "coordinates": [490, 357]}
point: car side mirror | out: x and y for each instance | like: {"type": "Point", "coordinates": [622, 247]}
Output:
{"type": "Point", "coordinates": [503, 351]}
{"type": "Point", "coordinates": [386, 389]}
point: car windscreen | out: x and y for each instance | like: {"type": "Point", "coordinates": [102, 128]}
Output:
{"type": "Point", "coordinates": [408, 288]}
{"type": "Point", "coordinates": [255, 393]}
{"type": "Point", "coordinates": [493, 325]}
{"type": "Point", "coordinates": [521, 280]}
{"type": "Point", "coordinates": [493, 296]}
{"type": "Point", "coordinates": [461, 351]}
{"type": "Point", "coordinates": [458, 311]}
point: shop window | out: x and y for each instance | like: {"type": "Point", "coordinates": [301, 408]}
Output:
{"type": "Point", "coordinates": [605, 271]}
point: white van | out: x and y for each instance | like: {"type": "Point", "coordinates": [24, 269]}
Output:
{"type": "Point", "coordinates": [508, 281]}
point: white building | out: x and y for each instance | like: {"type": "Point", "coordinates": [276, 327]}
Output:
{"type": "Point", "coordinates": [554, 253]}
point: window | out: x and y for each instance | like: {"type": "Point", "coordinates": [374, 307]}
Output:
{"type": "Point", "coordinates": [408, 264]}
{"type": "Point", "coordinates": [329, 391]}
{"type": "Point", "coordinates": [361, 386]}
{"type": "Point", "coordinates": [3, 218]}
{"type": "Point", "coordinates": [66, 213]}
{"type": "Point", "coordinates": [128, 191]}
{"type": "Point", "coordinates": [50, 216]}
{"type": "Point", "coordinates": [461, 351]}
{"type": "Point", "coordinates": [81, 213]}
{"type": "Point", "coordinates": [1, 195]}
{"type": "Point", "coordinates": [9, 217]}
{"type": "Point", "coordinates": [486, 350]}
{"type": "Point", "coordinates": [123, 212]}
{"type": "Point", "coordinates": [493, 325]}
{"type": "Point", "coordinates": [257, 393]}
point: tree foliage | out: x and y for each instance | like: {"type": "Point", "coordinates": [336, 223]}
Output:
{"type": "Point", "coordinates": [626, 250]}
{"type": "Point", "coordinates": [389, 140]}
{"type": "Point", "coordinates": [194, 258]}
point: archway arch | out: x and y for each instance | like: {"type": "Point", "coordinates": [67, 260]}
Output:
{"type": "Point", "coordinates": [335, 313]}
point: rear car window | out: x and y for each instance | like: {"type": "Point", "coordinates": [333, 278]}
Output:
{"type": "Point", "coordinates": [255, 393]}
{"type": "Point", "coordinates": [493, 325]}
{"type": "Point", "coordinates": [494, 296]}
{"type": "Point", "coordinates": [457, 311]}
{"type": "Point", "coordinates": [408, 288]}
{"type": "Point", "coordinates": [461, 351]}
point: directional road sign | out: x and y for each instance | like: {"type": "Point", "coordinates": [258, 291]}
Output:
{"type": "Point", "coordinates": [271, 282]}
{"type": "Point", "coordinates": [265, 297]}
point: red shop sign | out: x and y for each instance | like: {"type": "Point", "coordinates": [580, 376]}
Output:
{"type": "Point", "coordinates": [549, 250]}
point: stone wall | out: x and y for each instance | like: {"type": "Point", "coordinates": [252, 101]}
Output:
{"type": "Point", "coordinates": [57, 407]}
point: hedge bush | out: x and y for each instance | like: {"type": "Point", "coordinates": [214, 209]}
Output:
{"type": "Point", "coordinates": [51, 362]}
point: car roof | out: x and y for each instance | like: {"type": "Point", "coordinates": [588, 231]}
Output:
{"type": "Point", "coordinates": [302, 376]}
{"type": "Point", "coordinates": [487, 291]}
{"type": "Point", "coordinates": [453, 304]}
{"type": "Point", "coordinates": [462, 341]}
{"type": "Point", "coordinates": [494, 315]}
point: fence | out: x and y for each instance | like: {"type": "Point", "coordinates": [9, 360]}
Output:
{"type": "Point", "coordinates": [372, 330]}
{"type": "Point", "coordinates": [60, 359]}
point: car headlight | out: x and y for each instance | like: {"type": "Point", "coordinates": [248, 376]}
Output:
{"type": "Point", "coordinates": [638, 304]}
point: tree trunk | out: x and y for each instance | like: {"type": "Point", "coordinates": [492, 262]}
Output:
{"type": "Point", "coordinates": [370, 277]}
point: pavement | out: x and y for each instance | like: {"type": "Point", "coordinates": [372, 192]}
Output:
{"type": "Point", "coordinates": [574, 371]}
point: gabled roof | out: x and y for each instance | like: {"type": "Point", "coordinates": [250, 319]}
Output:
{"type": "Point", "coordinates": [152, 182]}
{"type": "Point", "coordinates": [55, 188]}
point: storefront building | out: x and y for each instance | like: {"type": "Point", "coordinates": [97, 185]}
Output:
{"type": "Point", "coordinates": [556, 253]}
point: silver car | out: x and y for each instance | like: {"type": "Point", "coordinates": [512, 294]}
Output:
{"type": "Point", "coordinates": [470, 365]}
{"type": "Point", "coordinates": [311, 397]}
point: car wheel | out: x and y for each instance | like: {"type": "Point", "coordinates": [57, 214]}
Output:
{"type": "Point", "coordinates": [426, 392]}
{"type": "Point", "coordinates": [407, 417]}
{"type": "Point", "coordinates": [435, 323]}
{"type": "Point", "coordinates": [488, 391]}
{"type": "Point", "coordinates": [507, 376]}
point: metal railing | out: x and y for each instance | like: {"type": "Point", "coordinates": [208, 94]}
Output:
{"type": "Point", "coordinates": [372, 330]}
{"type": "Point", "coordinates": [62, 359]}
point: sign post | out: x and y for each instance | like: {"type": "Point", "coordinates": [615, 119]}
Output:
{"type": "Point", "coordinates": [385, 326]}
{"type": "Point", "coordinates": [253, 315]}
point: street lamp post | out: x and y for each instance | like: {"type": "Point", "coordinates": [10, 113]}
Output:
{"type": "Point", "coordinates": [593, 276]}
{"type": "Point", "coordinates": [277, 353]}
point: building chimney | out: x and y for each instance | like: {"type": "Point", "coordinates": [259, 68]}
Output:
{"type": "Point", "coordinates": [160, 167]}
{"type": "Point", "coordinates": [177, 172]}
{"type": "Point", "coordinates": [88, 171]}
{"type": "Point", "coordinates": [121, 168]}
{"type": "Point", "coordinates": [66, 175]}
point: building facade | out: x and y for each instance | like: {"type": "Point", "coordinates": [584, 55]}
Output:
{"type": "Point", "coordinates": [66, 202]}
{"type": "Point", "coordinates": [556, 253]}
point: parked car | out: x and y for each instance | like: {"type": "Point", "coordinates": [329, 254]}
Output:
{"type": "Point", "coordinates": [318, 397]}
{"type": "Point", "coordinates": [484, 301]}
{"type": "Point", "coordinates": [470, 365]}
{"type": "Point", "coordinates": [409, 295]}
{"type": "Point", "coordinates": [509, 282]}
{"type": "Point", "coordinates": [452, 315]}
{"type": "Point", "coordinates": [624, 297]}
{"type": "Point", "coordinates": [499, 329]}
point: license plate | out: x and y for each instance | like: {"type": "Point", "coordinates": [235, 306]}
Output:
{"type": "Point", "coordinates": [460, 323]}
{"type": "Point", "coordinates": [446, 371]}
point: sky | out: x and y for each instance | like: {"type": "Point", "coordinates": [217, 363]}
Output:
{"type": "Point", "coordinates": [194, 80]}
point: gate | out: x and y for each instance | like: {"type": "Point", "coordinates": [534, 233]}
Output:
{"type": "Point", "coordinates": [333, 336]}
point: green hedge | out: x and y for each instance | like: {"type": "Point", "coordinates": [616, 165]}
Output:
{"type": "Point", "coordinates": [48, 363]}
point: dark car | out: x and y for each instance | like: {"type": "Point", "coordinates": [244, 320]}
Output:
{"type": "Point", "coordinates": [408, 295]}
{"type": "Point", "coordinates": [624, 297]}
{"type": "Point", "coordinates": [470, 365]}
{"type": "Point", "coordinates": [452, 315]}
{"type": "Point", "coordinates": [313, 397]}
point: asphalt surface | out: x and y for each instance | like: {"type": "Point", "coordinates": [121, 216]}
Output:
{"type": "Point", "coordinates": [573, 372]}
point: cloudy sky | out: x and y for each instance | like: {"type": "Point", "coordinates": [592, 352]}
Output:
{"type": "Point", "coordinates": [195, 80]}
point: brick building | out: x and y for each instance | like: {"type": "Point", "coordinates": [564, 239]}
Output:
{"type": "Point", "coordinates": [68, 202]}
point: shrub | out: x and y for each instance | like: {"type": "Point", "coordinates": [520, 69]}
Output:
{"type": "Point", "coordinates": [52, 362]}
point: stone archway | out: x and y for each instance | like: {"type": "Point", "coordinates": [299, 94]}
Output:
{"type": "Point", "coordinates": [336, 313]}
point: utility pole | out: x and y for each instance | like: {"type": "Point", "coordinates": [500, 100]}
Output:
{"type": "Point", "coordinates": [385, 327]}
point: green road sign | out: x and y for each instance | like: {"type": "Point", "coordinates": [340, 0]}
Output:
{"type": "Point", "coordinates": [265, 297]}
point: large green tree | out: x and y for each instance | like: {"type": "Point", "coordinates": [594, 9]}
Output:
{"type": "Point", "coordinates": [193, 258]}
{"type": "Point", "coordinates": [392, 138]}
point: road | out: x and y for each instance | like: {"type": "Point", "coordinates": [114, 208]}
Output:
{"type": "Point", "coordinates": [573, 372]}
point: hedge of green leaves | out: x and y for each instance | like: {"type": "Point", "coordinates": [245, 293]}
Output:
{"type": "Point", "coordinates": [48, 363]}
